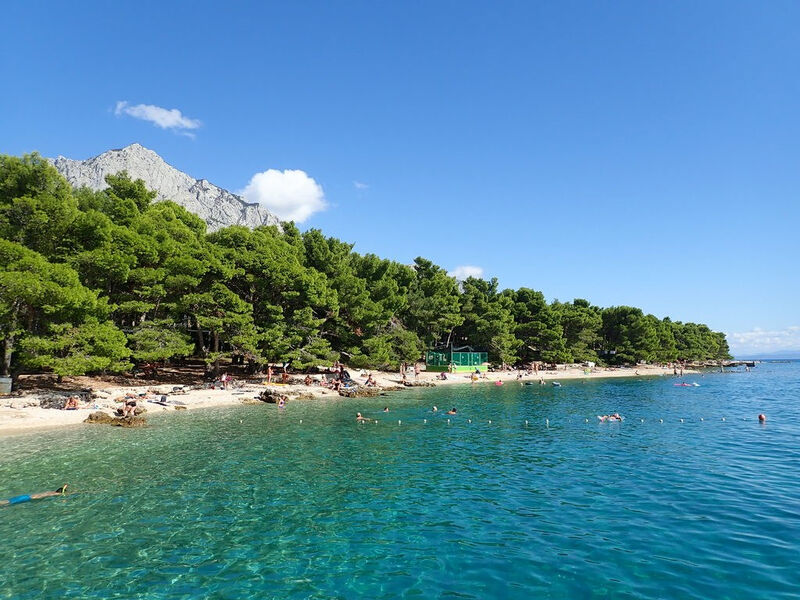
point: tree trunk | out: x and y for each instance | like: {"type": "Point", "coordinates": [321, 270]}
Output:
{"type": "Point", "coordinates": [8, 348]}
{"type": "Point", "coordinates": [199, 346]}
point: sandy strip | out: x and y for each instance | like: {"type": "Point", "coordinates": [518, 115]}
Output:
{"type": "Point", "coordinates": [19, 414]}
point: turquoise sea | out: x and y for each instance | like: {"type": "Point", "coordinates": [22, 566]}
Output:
{"type": "Point", "coordinates": [251, 502]}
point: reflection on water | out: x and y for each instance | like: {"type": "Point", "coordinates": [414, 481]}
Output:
{"type": "Point", "coordinates": [201, 505]}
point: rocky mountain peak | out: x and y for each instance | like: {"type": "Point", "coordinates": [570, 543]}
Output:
{"type": "Point", "coordinates": [217, 206]}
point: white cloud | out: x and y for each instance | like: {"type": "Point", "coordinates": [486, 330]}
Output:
{"type": "Point", "coordinates": [291, 194]}
{"type": "Point", "coordinates": [160, 117]}
{"type": "Point", "coordinates": [758, 340]}
{"type": "Point", "coordinates": [464, 271]}
{"type": "Point", "coordinates": [359, 185]}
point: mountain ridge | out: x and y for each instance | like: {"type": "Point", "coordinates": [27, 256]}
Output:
{"type": "Point", "coordinates": [217, 206]}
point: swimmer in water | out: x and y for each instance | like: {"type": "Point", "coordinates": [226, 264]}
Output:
{"type": "Point", "coordinates": [611, 417]}
{"type": "Point", "coordinates": [360, 419]}
{"type": "Point", "coordinates": [27, 497]}
{"type": "Point", "coordinates": [452, 411]}
{"type": "Point", "coordinates": [385, 409]}
{"type": "Point", "coordinates": [435, 409]}
{"type": "Point", "coordinates": [762, 418]}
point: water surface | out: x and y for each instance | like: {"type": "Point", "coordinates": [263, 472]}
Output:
{"type": "Point", "coordinates": [250, 502]}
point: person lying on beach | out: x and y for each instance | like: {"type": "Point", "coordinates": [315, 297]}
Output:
{"type": "Point", "coordinates": [611, 417]}
{"type": "Point", "coordinates": [28, 497]}
{"type": "Point", "coordinates": [452, 411]}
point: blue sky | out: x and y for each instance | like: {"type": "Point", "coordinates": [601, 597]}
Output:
{"type": "Point", "coordinates": [624, 152]}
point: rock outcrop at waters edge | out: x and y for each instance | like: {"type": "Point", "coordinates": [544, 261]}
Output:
{"type": "Point", "coordinates": [216, 206]}
{"type": "Point", "coordinates": [99, 417]}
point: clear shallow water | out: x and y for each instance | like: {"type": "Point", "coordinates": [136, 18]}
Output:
{"type": "Point", "coordinates": [199, 505]}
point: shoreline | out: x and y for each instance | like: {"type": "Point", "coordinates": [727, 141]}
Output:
{"type": "Point", "coordinates": [24, 414]}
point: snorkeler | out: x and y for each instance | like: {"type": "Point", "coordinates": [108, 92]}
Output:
{"type": "Point", "coordinates": [28, 497]}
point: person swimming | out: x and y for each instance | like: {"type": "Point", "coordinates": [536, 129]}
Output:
{"type": "Point", "coordinates": [762, 418]}
{"type": "Point", "coordinates": [452, 411]}
{"type": "Point", "coordinates": [361, 419]}
{"type": "Point", "coordinates": [28, 497]}
{"type": "Point", "coordinates": [611, 417]}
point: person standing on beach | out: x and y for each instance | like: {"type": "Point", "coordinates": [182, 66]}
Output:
{"type": "Point", "coordinates": [269, 373]}
{"type": "Point", "coordinates": [416, 371]}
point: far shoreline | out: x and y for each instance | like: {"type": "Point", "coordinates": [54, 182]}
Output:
{"type": "Point", "coordinates": [23, 415]}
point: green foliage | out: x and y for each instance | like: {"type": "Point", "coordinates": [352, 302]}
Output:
{"type": "Point", "coordinates": [434, 307]}
{"type": "Point", "coordinates": [538, 327]}
{"type": "Point", "coordinates": [488, 320]}
{"type": "Point", "coordinates": [70, 260]}
{"type": "Point", "coordinates": [157, 341]}
{"type": "Point", "coordinates": [65, 349]}
{"type": "Point", "coordinates": [581, 323]}
{"type": "Point", "coordinates": [36, 204]}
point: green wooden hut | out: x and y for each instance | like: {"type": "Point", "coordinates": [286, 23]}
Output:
{"type": "Point", "coordinates": [456, 361]}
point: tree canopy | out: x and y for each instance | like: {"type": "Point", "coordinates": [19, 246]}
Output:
{"type": "Point", "coordinates": [92, 280]}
